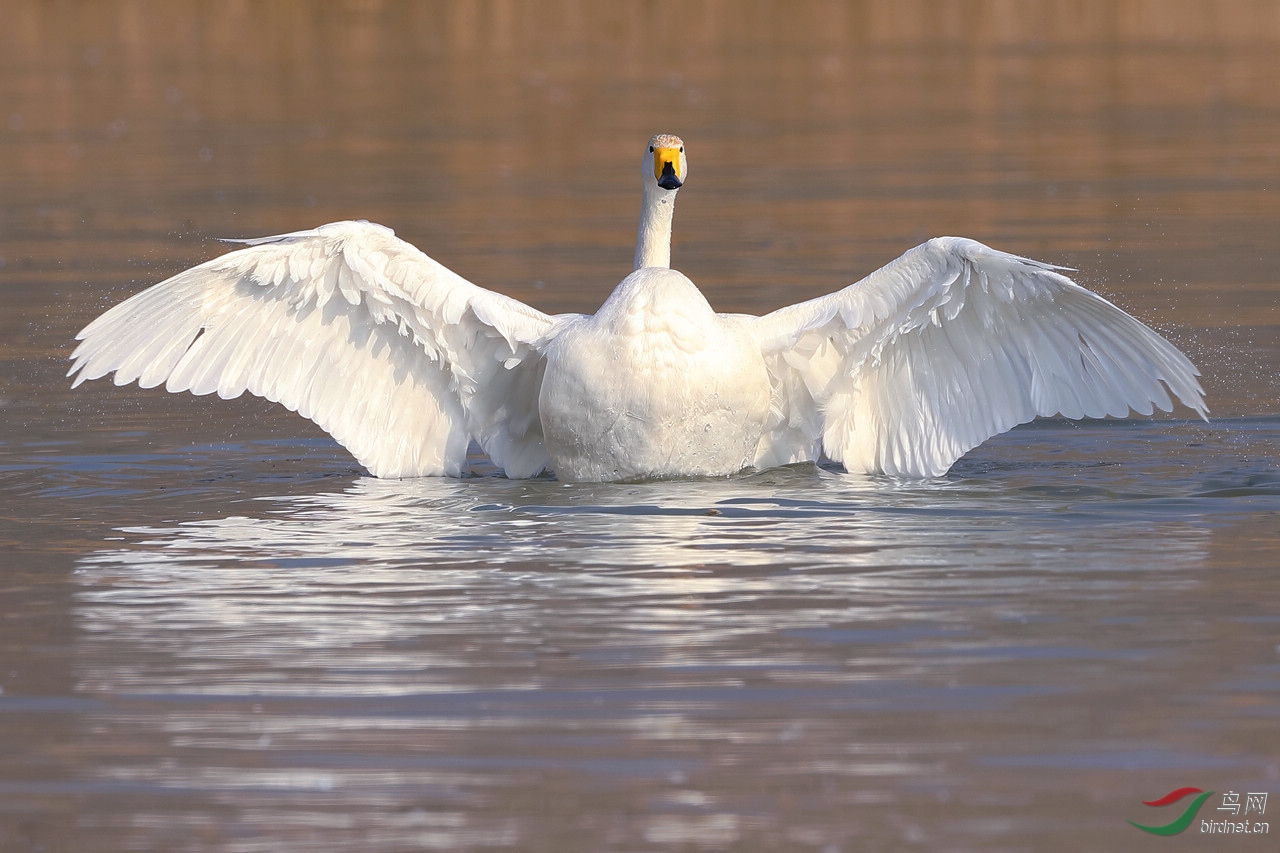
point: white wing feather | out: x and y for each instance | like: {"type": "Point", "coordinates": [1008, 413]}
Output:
{"type": "Point", "coordinates": [952, 343]}
{"type": "Point", "coordinates": [397, 357]}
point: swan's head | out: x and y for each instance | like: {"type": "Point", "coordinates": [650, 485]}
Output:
{"type": "Point", "coordinates": [664, 165]}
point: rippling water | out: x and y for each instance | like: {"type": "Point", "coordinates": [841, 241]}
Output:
{"type": "Point", "coordinates": [217, 634]}
{"type": "Point", "coordinates": [796, 658]}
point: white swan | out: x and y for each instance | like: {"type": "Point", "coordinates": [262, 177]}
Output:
{"type": "Point", "coordinates": [405, 363]}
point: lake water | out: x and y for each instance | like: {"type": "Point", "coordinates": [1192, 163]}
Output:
{"type": "Point", "coordinates": [216, 634]}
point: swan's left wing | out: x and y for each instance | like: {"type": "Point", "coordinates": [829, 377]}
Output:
{"type": "Point", "coordinates": [952, 343]}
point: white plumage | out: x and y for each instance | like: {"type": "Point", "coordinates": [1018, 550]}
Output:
{"type": "Point", "coordinates": [405, 363]}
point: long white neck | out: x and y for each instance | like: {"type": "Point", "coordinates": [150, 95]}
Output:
{"type": "Point", "coordinates": [653, 241]}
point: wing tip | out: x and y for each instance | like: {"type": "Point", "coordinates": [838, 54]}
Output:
{"type": "Point", "coordinates": [975, 250]}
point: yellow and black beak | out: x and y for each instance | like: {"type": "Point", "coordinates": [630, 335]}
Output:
{"type": "Point", "coordinates": [666, 168]}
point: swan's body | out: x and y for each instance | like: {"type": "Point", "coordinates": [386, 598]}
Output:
{"type": "Point", "coordinates": [406, 363]}
{"type": "Point", "coordinates": [655, 383]}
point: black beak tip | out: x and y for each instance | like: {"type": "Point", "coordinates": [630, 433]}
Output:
{"type": "Point", "coordinates": [669, 180]}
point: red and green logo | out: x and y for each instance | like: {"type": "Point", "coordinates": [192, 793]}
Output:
{"type": "Point", "coordinates": [1184, 820]}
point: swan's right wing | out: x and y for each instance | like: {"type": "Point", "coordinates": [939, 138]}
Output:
{"type": "Point", "coordinates": [950, 344]}
{"type": "Point", "coordinates": [394, 355]}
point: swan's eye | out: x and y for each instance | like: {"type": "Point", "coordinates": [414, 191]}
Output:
{"type": "Point", "coordinates": [681, 149]}
{"type": "Point", "coordinates": [650, 149]}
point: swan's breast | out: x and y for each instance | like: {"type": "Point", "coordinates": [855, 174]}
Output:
{"type": "Point", "coordinates": [656, 383]}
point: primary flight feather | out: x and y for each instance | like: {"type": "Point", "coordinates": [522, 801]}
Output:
{"type": "Point", "coordinates": [405, 363]}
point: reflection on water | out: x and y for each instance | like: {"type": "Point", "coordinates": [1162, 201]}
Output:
{"type": "Point", "coordinates": [335, 581]}
{"type": "Point", "coordinates": [485, 661]}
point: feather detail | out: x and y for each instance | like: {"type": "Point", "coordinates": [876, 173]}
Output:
{"type": "Point", "coordinates": [951, 344]}
{"type": "Point", "coordinates": [380, 345]}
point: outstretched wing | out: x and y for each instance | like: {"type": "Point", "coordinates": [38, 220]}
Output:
{"type": "Point", "coordinates": [397, 357]}
{"type": "Point", "coordinates": [950, 344]}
